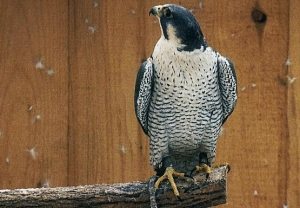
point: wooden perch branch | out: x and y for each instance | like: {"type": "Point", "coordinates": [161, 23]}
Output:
{"type": "Point", "coordinates": [195, 193]}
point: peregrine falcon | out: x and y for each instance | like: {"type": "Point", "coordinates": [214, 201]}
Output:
{"type": "Point", "coordinates": [184, 93]}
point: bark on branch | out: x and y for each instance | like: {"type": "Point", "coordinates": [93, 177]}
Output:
{"type": "Point", "coordinates": [195, 193]}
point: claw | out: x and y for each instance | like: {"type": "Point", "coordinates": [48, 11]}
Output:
{"type": "Point", "coordinates": [189, 176]}
{"type": "Point", "coordinates": [207, 175]}
{"type": "Point", "coordinates": [179, 198]}
{"type": "Point", "coordinates": [228, 168]}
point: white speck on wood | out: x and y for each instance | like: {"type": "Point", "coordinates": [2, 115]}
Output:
{"type": "Point", "coordinates": [92, 28]}
{"type": "Point", "coordinates": [7, 160]}
{"type": "Point", "coordinates": [288, 62]}
{"type": "Point", "coordinates": [291, 79]}
{"type": "Point", "coordinates": [95, 4]}
{"type": "Point", "coordinates": [253, 85]}
{"type": "Point", "coordinates": [201, 5]}
{"type": "Point", "coordinates": [123, 149]}
{"type": "Point", "coordinates": [255, 193]}
{"type": "Point", "coordinates": [29, 108]}
{"type": "Point", "coordinates": [36, 118]}
{"type": "Point", "coordinates": [133, 11]}
{"type": "Point", "coordinates": [33, 153]}
{"type": "Point", "coordinates": [50, 71]}
{"type": "Point", "coordinates": [39, 65]}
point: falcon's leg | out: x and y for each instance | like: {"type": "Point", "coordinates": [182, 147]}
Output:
{"type": "Point", "coordinates": [204, 165]}
{"type": "Point", "coordinates": [169, 173]}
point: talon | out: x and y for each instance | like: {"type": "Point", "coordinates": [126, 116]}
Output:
{"type": "Point", "coordinates": [207, 175]}
{"type": "Point", "coordinates": [228, 167]}
{"type": "Point", "coordinates": [179, 198]}
{"type": "Point", "coordinates": [189, 176]}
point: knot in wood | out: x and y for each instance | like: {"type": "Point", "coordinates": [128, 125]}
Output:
{"type": "Point", "coordinates": [259, 16]}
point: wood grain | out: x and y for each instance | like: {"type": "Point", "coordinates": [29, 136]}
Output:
{"type": "Point", "coordinates": [33, 100]}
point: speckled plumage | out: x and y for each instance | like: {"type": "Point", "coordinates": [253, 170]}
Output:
{"type": "Point", "coordinates": [184, 93]}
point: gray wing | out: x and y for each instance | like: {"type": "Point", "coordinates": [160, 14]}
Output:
{"type": "Point", "coordinates": [143, 91]}
{"type": "Point", "coordinates": [228, 85]}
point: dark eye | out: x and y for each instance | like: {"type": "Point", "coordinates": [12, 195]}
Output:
{"type": "Point", "coordinates": [168, 13]}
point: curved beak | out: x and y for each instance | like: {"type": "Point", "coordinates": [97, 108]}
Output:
{"type": "Point", "coordinates": [156, 11]}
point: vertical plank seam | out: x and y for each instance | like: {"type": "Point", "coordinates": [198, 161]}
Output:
{"type": "Point", "coordinates": [293, 104]}
{"type": "Point", "coordinates": [68, 93]}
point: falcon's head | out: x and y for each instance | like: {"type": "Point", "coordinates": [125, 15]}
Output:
{"type": "Point", "coordinates": [179, 26]}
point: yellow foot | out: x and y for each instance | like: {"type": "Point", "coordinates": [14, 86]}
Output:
{"type": "Point", "coordinates": [169, 174]}
{"type": "Point", "coordinates": [207, 169]}
{"type": "Point", "coordinates": [203, 167]}
{"type": "Point", "coordinates": [228, 168]}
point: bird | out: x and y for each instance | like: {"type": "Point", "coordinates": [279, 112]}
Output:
{"type": "Point", "coordinates": [184, 93]}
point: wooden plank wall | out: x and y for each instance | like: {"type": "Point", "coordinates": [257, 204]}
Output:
{"type": "Point", "coordinates": [33, 93]}
{"type": "Point", "coordinates": [67, 74]}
